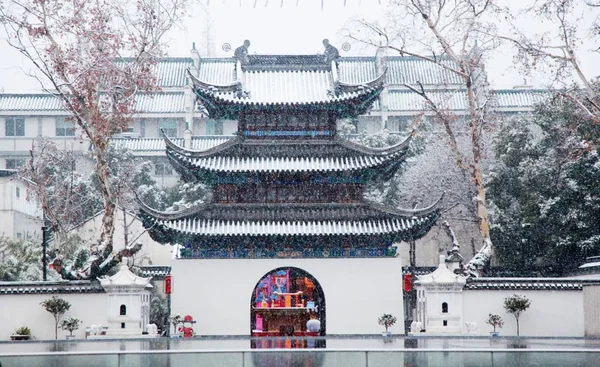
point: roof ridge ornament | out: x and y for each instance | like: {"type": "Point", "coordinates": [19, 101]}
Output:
{"type": "Point", "coordinates": [331, 53]}
{"type": "Point", "coordinates": [378, 82]}
{"type": "Point", "coordinates": [235, 86]}
{"type": "Point", "coordinates": [241, 53]}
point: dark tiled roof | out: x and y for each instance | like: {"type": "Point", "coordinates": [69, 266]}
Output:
{"type": "Point", "coordinates": [158, 144]}
{"type": "Point", "coordinates": [288, 156]}
{"type": "Point", "coordinates": [258, 220]}
{"type": "Point", "coordinates": [526, 283]}
{"type": "Point", "coordinates": [78, 286]}
{"type": "Point", "coordinates": [157, 272]}
{"type": "Point", "coordinates": [419, 270]}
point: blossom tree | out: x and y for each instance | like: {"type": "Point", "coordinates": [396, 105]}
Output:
{"type": "Point", "coordinates": [451, 37]}
{"type": "Point", "coordinates": [94, 56]}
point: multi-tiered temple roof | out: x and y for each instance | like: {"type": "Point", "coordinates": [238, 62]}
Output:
{"type": "Point", "coordinates": [287, 185]}
{"type": "Point", "coordinates": [241, 155]}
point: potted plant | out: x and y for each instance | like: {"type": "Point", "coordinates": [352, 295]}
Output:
{"type": "Point", "coordinates": [57, 307]}
{"type": "Point", "coordinates": [516, 305]}
{"type": "Point", "coordinates": [70, 324]}
{"type": "Point", "coordinates": [22, 333]}
{"type": "Point", "coordinates": [496, 322]}
{"type": "Point", "coordinates": [387, 320]}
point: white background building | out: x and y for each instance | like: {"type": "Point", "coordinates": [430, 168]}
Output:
{"type": "Point", "coordinates": [20, 214]}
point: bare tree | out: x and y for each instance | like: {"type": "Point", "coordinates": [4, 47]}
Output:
{"type": "Point", "coordinates": [451, 35]}
{"type": "Point", "coordinates": [94, 56]}
{"type": "Point", "coordinates": [557, 47]}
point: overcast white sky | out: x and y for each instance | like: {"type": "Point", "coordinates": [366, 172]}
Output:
{"type": "Point", "coordinates": [272, 29]}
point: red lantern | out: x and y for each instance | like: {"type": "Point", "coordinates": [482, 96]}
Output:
{"type": "Point", "coordinates": [407, 282]}
{"type": "Point", "coordinates": [168, 284]}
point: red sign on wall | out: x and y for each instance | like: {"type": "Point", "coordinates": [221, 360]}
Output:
{"type": "Point", "coordinates": [168, 284]}
{"type": "Point", "coordinates": [407, 282]}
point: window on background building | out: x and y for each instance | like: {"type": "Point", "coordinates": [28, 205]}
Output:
{"type": "Point", "coordinates": [169, 127]}
{"type": "Point", "coordinates": [127, 130]}
{"type": "Point", "coordinates": [13, 163]}
{"type": "Point", "coordinates": [142, 128]}
{"type": "Point", "coordinates": [19, 236]}
{"type": "Point", "coordinates": [214, 127]}
{"type": "Point", "coordinates": [163, 169]}
{"type": "Point", "coordinates": [18, 192]}
{"type": "Point", "coordinates": [399, 123]}
{"type": "Point", "coordinates": [64, 128]}
{"type": "Point", "coordinates": [444, 307]}
{"type": "Point", "coordinates": [15, 126]}
{"type": "Point", "coordinates": [123, 310]}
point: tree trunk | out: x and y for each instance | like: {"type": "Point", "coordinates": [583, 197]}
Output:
{"type": "Point", "coordinates": [518, 333]}
{"type": "Point", "coordinates": [105, 242]}
{"type": "Point", "coordinates": [475, 266]}
{"type": "Point", "coordinates": [55, 327]}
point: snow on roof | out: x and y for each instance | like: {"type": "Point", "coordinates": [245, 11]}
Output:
{"type": "Point", "coordinates": [590, 265]}
{"type": "Point", "coordinates": [532, 283]}
{"type": "Point", "coordinates": [158, 144]}
{"type": "Point", "coordinates": [39, 287]}
{"type": "Point", "coordinates": [124, 278]}
{"type": "Point", "coordinates": [442, 276]}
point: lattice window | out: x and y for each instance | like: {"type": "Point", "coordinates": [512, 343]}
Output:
{"type": "Point", "coordinates": [163, 169]}
{"type": "Point", "coordinates": [64, 127]}
{"type": "Point", "coordinates": [169, 127]}
{"type": "Point", "coordinates": [14, 163]}
{"type": "Point", "coordinates": [15, 126]}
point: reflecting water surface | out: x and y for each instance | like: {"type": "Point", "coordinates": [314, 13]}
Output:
{"type": "Point", "coordinates": [332, 352]}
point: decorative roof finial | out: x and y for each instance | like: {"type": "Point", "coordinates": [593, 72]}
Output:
{"type": "Point", "coordinates": [193, 45]}
{"type": "Point", "coordinates": [331, 53]}
{"type": "Point", "coordinates": [241, 53]}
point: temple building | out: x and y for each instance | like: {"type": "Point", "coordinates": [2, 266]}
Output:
{"type": "Point", "coordinates": [287, 231]}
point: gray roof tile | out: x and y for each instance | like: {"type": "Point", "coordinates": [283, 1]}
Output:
{"type": "Point", "coordinates": [158, 144]}
{"type": "Point", "coordinates": [171, 71]}
{"type": "Point", "coordinates": [77, 286]}
{"type": "Point", "coordinates": [411, 70]}
{"type": "Point", "coordinates": [527, 283]}
{"type": "Point", "coordinates": [160, 102]}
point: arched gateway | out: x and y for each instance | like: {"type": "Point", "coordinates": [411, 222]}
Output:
{"type": "Point", "coordinates": [281, 302]}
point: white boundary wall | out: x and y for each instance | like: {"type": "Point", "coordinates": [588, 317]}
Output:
{"type": "Point", "coordinates": [218, 292]}
{"type": "Point", "coordinates": [25, 310]}
{"type": "Point", "coordinates": [552, 312]}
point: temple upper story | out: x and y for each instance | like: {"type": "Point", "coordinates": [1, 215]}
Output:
{"type": "Point", "coordinates": [286, 96]}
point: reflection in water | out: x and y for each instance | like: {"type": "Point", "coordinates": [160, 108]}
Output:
{"type": "Point", "coordinates": [299, 358]}
{"type": "Point", "coordinates": [287, 343]}
{"type": "Point", "coordinates": [311, 358]}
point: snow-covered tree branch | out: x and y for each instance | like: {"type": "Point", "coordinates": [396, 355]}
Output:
{"type": "Point", "coordinates": [557, 47]}
{"type": "Point", "coordinates": [94, 56]}
{"type": "Point", "coordinates": [451, 36]}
